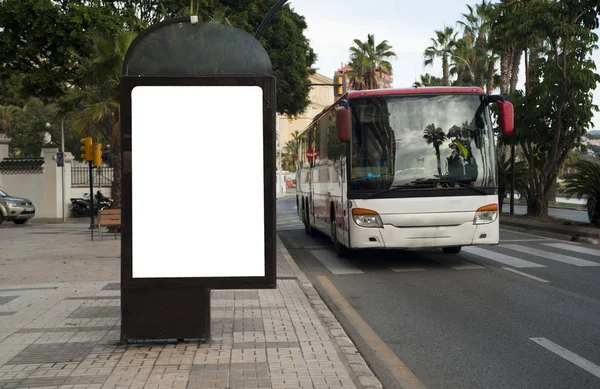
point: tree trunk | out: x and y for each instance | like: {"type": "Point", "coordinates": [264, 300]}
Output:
{"type": "Point", "coordinates": [552, 191]}
{"type": "Point", "coordinates": [490, 77]}
{"type": "Point", "coordinates": [445, 70]}
{"type": "Point", "coordinates": [504, 72]}
{"type": "Point", "coordinates": [116, 184]}
{"type": "Point", "coordinates": [514, 71]}
{"type": "Point", "coordinates": [480, 78]}
{"type": "Point", "coordinates": [593, 209]}
{"type": "Point", "coordinates": [537, 205]}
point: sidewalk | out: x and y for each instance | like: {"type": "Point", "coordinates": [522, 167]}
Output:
{"type": "Point", "coordinates": [64, 335]}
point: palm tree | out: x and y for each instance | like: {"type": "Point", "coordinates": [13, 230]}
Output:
{"type": "Point", "coordinates": [443, 44]}
{"type": "Point", "coordinates": [436, 136]}
{"type": "Point", "coordinates": [290, 155]}
{"type": "Point", "coordinates": [99, 97]}
{"type": "Point", "coordinates": [6, 116]}
{"type": "Point", "coordinates": [371, 59]}
{"type": "Point", "coordinates": [585, 181]}
{"type": "Point", "coordinates": [428, 80]}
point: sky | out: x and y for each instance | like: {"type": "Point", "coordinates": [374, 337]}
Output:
{"type": "Point", "coordinates": [408, 26]}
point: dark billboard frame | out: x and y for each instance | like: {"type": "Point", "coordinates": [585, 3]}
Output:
{"type": "Point", "coordinates": [268, 281]}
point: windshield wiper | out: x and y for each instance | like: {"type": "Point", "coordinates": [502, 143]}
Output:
{"type": "Point", "coordinates": [460, 183]}
{"type": "Point", "coordinates": [427, 183]}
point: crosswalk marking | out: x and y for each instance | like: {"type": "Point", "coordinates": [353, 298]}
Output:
{"type": "Point", "coordinates": [454, 262]}
{"type": "Point", "coordinates": [569, 356]}
{"type": "Point", "coordinates": [553, 256]}
{"type": "Point", "coordinates": [502, 258]}
{"type": "Point", "coordinates": [289, 222]}
{"type": "Point", "coordinates": [334, 264]}
{"type": "Point", "coordinates": [572, 247]}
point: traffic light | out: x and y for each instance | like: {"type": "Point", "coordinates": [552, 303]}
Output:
{"type": "Point", "coordinates": [97, 157]}
{"type": "Point", "coordinates": [86, 149]}
{"type": "Point", "coordinates": [339, 87]}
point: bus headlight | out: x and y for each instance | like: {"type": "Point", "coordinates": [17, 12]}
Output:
{"type": "Point", "coordinates": [366, 218]}
{"type": "Point", "coordinates": [486, 214]}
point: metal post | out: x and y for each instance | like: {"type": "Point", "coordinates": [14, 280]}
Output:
{"type": "Point", "coordinates": [280, 189]}
{"type": "Point", "coordinates": [512, 179]}
{"type": "Point", "coordinates": [62, 148]}
{"type": "Point", "coordinates": [91, 200]}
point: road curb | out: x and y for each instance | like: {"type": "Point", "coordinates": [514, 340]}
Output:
{"type": "Point", "coordinates": [363, 376]}
{"type": "Point", "coordinates": [571, 231]}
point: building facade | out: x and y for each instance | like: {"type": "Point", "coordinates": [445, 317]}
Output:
{"type": "Point", "coordinates": [384, 80]}
{"type": "Point", "coordinates": [319, 96]}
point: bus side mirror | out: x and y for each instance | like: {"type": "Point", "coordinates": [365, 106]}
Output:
{"type": "Point", "coordinates": [342, 118]}
{"type": "Point", "coordinates": [506, 117]}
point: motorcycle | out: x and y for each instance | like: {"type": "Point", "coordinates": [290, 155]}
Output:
{"type": "Point", "coordinates": [81, 207]}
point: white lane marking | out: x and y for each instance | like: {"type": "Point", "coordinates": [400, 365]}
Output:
{"type": "Point", "coordinates": [553, 256]}
{"type": "Point", "coordinates": [524, 240]}
{"type": "Point", "coordinates": [502, 258]}
{"type": "Point", "coordinates": [400, 269]}
{"type": "Point", "coordinates": [569, 356]}
{"type": "Point", "coordinates": [454, 262]}
{"type": "Point", "coordinates": [572, 247]}
{"type": "Point", "coordinates": [525, 274]}
{"type": "Point", "coordinates": [334, 264]}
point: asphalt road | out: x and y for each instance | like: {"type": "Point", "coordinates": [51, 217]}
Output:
{"type": "Point", "coordinates": [569, 214]}
{"type": "Point", "coordinates": [524, 314]}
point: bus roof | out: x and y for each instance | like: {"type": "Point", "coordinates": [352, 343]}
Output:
{"type": "Point", "coordinates": [419, 90]}
{"type": "Point", "coordinates": [353, 94]}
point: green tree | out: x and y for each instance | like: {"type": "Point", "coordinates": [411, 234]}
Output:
{"type": "Point", "coordinates": [585, 181]}
{"type": "Point", "coordinates": [28, 126]}
{"type": "Point", "coordinates": [7, 114]}
{"type": "Point", "coordinates": [43, 39]}
{"type": "Point", "coordinates": [428, 80]}
{"type": "Point", "coordinates": [443, 43]}
{"type": "Point", "coordinates": [98, 97]}
{"type": "Point", "coordinates": [371, 59]}
{"type": "Point", "coordinates": [557, 108]}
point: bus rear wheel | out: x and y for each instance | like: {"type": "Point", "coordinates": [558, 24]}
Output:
{"type": "Point", "coordinates": [307, 227]}
{"type": "Point", "coordinates": [452, 250]}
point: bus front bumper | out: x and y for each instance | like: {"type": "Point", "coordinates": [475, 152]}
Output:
{"type": "Point", "coordinates": [392, 237]}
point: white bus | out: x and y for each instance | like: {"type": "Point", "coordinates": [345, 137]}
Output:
{"type": "Point", "coordinates": [403, 169]}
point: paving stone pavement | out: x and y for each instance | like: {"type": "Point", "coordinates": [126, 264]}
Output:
{"type": "Point", "coordinates": [65, 335]}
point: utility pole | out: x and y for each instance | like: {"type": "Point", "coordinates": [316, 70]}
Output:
{"type": "Point", "coordinates": [62, 149]}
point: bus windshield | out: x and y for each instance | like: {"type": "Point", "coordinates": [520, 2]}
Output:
{"type": "Point", "coordinates": [421, 141]}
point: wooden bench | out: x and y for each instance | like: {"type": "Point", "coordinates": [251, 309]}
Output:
{"type": "Point", "coordinates": [108, 218]}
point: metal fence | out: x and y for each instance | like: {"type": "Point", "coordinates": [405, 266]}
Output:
{"type": "Point", "coordinates": [102, 176]}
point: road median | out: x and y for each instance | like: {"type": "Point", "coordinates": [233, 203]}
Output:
{"type": "Point", "coordinates": [557, 226]}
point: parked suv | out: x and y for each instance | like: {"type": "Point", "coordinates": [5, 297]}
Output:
{"type": "Point", "coordinates": [15, 209]}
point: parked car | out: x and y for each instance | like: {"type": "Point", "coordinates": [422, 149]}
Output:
{"type": "Point", "coordinates": [15, 209]}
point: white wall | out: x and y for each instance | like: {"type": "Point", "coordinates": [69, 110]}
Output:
{"type": "Point", "coordinates": [29, 186]}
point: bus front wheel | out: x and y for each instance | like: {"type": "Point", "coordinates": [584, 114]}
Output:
{"type": "Point", "coordinates": [452, 250]}
{"type": "Point", "coordinates": [340, 250]}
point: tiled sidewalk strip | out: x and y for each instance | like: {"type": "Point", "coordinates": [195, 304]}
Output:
{"type": "Point", "coordinates": [65, 336]}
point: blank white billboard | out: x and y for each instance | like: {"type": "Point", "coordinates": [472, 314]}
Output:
{"type": "Point", "coordinates": [197, 181]}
